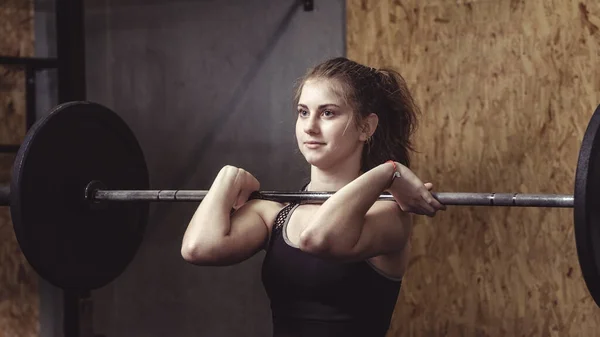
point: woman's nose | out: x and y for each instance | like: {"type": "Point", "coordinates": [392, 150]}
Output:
{"type": "Point", "coordinates": [311, 125]}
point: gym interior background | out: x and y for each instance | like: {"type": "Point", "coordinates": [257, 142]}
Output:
{"type": "Point", "coordinates": [506, 89]}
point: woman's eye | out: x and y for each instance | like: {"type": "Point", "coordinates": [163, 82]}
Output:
{"type": "Point", "coordinates": [302, 112]}
{"type": "Point", "coordinates": [328, 113]}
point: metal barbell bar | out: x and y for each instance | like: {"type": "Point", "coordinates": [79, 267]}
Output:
{"type": "Point", "coordinates": [446, 198]}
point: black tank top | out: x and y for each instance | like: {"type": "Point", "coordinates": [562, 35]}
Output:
{"type": "Point", "coordinates": [314, 297]}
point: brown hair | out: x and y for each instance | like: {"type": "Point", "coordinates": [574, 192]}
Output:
{"type": "Point", "coordinates": [383, 92]}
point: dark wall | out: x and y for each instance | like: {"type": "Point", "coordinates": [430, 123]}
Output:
{"type": "Point", "coordinates": [202, 84]}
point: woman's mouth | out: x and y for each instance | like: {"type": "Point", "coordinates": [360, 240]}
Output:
{"type": "Point", "coordinates": [313, 144]}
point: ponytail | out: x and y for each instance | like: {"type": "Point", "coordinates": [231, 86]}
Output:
{"type": "Point", "coordinates": [397, 114]}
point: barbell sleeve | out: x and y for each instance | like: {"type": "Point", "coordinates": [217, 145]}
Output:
{"type": "Point", "coordinates": [446, 198]}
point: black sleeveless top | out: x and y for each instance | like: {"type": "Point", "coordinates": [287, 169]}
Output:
{"type": "Point", "coordinates": [314, 297]}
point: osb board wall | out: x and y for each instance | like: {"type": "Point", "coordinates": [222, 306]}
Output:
{"type": "Point", "coordinates": [506, 90]}
{"type": "Point", "coordinates": [16, 29]}
{"type": "Point", "coordinates": [19, 307]}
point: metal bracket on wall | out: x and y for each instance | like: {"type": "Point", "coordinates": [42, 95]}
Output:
{"type": "Point", "coordinates": [308, 5]}
{"type": "Point", "coordinates": [31, 66]}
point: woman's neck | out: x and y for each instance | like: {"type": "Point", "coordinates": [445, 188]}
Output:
{"type": "Point", "coordinates": [333, 178]}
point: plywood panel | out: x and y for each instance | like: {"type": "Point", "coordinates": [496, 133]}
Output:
{"type": "Point", "coordinates": [506, 89]}
{"type": "Point", "coordinates": [19, 307]}
{"type": "Point", "coordinates": [12, 105]}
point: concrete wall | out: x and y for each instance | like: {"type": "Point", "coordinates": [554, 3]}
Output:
{"type": "Point", "coordinates": [202, 84]}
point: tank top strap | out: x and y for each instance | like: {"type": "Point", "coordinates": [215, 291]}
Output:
{"type": "Point", "coordinates": [282, 217]}
{"type": "Point", "coordinates": [280, 220]}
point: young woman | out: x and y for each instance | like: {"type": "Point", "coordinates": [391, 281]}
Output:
{"type": "Point", "coordinates": [335, 268]}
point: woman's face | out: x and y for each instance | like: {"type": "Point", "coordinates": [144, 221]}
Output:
{"type": "Point", "coordinates": [325, 129]}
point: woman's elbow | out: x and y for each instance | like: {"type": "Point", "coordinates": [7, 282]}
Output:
{"type": "Point", "coordinates": [199, 253]}
{"type": "Point", "coordinates": [190, 253]}
{"type": "Point", "coordinates": [313, 244]}
{"type": "Point", "coordinates": [323, 246]}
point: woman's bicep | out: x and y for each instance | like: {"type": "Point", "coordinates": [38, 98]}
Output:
{"type": "Point", "coordinates": [249, 230]}
{"type": "Point", "coordinates": [247, 235]}
{"type": "Point", "coordinates": [386, 230]}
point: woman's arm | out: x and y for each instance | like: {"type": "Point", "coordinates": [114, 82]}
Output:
{"type": "Point", "coordinates": [214, 236]}
{"type": "Point", "coordinates": [353, 225]}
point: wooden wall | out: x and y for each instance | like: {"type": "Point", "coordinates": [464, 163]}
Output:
{"type": "Point", "coordinates": [506, 88]}
{"type": "Point", "coordinates": [19, 307]}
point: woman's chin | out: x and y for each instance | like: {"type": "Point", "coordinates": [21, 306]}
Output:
{"type": "Point", "coordinates": [314, 160]}
{"type": "Point", "coordinates": [320, 163]}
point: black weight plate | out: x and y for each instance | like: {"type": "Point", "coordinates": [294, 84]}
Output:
{"type": "Point", "coordinates": [67, 240]}
{"type": "Point", "coordinates": [587, 206]}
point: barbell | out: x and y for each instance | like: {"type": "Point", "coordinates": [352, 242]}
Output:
{"type": "Point", "coordinates": [79, 197]}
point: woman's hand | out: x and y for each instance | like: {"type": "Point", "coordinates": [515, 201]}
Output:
{"type": "Point", "coordinates": [247, 184]}
{"type": "Point", "coordinates": [237, 184]}
{"type": "Point", "coordinates": [412, 195]}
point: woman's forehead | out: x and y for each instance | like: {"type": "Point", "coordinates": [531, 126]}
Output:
{"type": "Point", "coordinates": [322, 89]}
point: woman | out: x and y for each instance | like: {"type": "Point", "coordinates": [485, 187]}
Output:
{"type": "Point", "coordinates": [332, 269]}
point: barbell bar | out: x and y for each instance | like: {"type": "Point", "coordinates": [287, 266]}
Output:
{"type": "Point", "coordinates": [79, 197]}
{"type": "Point", "coordinates": [446, 198]}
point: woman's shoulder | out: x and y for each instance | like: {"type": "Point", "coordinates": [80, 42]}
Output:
{"type": "Point", "coordinates": [266, 209]}
{"type": "Point", "coordinates": [269, 210]}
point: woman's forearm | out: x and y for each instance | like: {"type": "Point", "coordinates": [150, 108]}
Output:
{"type": "Point", "coordinates": [211, 221]}
{"type": "Point", "coordinates": [216, 237]}
{"type": "Point", "coordinates": [337, 225]}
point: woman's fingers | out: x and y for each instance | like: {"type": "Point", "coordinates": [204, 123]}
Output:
{"type": "Point", "coordinates": [249, 184]}
{"type": "Point", "coordinates": [431, 200]}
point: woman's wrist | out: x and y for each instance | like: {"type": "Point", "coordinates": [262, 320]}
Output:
{"type": "Point", "coordinates": [395, 172]}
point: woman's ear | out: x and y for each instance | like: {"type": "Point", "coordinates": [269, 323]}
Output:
{"type": "Point", "coordinates": [369, 126]}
